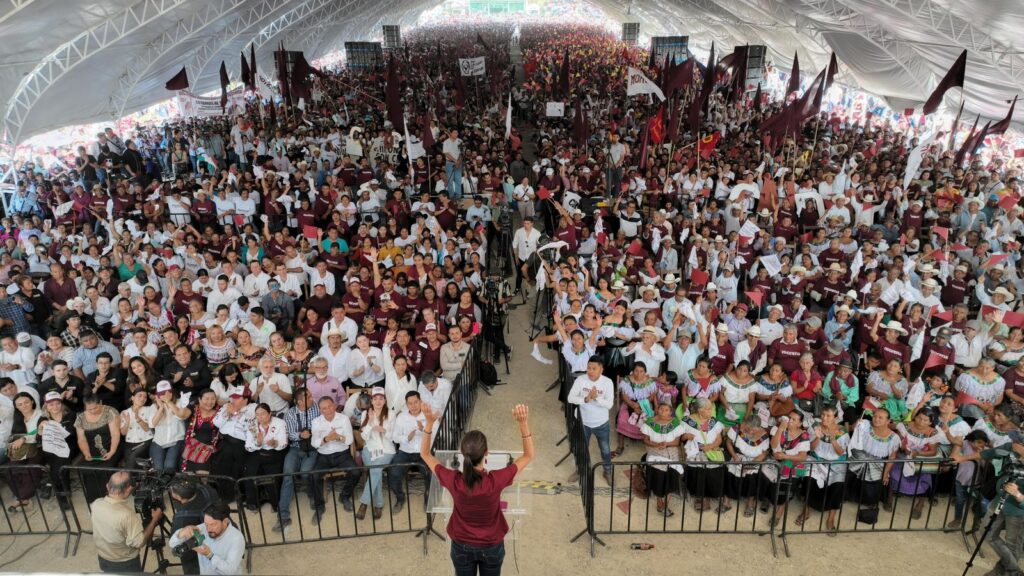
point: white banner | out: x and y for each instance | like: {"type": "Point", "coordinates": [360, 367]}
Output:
{"type": "Point", "coordinates": [191, 105]}
{"type": "Point", "coordinates": [555, 109]}
{"type": "Point", "coordinates": [472, 66]}
{"type": "Point", "coordinates": [639, 83]}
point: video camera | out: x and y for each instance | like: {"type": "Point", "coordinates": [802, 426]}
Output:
{"type": "Point", "coordinates": [150, 489]}
{"type": "Point", "coordinates": [195, 541]}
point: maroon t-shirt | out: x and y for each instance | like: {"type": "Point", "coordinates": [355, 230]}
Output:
{"type": "Point", "coordinates": [476, 518]}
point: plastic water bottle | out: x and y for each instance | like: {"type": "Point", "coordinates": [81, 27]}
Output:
{"type": "Point", "coordinates": [641, 546]}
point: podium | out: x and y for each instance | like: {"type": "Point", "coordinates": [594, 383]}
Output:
{"type": "Point", "coordinates": [515, 503]}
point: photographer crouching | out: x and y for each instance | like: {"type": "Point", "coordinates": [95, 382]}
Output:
{"type": "Point", "coordinates": [1005, 529]}
{"type": "Point", "coordinates": [191, 501]}
{"type": "Point", "coordinates": [219, 545]}
{"type": "Point", "coordinates": [117, 527]}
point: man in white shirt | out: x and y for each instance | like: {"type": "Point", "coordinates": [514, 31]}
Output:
{"type": "Point", "coordinates": [223, 294]}
{"type": "Point", "coordinates": [17, 363]}
{"type": "Point", "coordinates": [270, 387]}
{"type": "Point", "coordinates": [434, 392]}
{"type": "Point", "coordinates": [337, 355]}
{"type": "Point", "coordinates": [524, 244]}
{"type": "Point", "coordinates": [970, 344]}
{"type": "Point", "coordinates": [233, 420]}
{"type": "Point", "coordinates": [342, 323]}
{"type": "Point", "coordinates": [259, 328]}
{"type": "Point", "coordinates": [332, 437]}
{"type": "Point", "coordinates": [408, 434]}
{"type": "Point", "coordinates": [255, 285]}
{"type": "Point", "coordinates": [595, 395]}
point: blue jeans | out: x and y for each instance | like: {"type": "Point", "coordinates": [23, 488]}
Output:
{"type": "Point", "coordinates": [602, 432]}
{"type": "Point", "coordinates": [396, 475]}
{"type": "Point", "coordinates": [373, 484]}
{"type": "Point", "coordinates": [468, 560]}
{"type": "Point", "coordinates": [165, 459]}
{"type": "Point", "coordinates": [294, 461]}
{"type": "Point", "coordinates": [454, 180]}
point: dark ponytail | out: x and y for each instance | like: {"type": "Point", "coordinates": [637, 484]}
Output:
{"type": "Point", "coordinates": [473, 448]}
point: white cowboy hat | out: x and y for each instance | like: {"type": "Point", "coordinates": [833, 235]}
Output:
{"type": "Point", "coordinates": [754, 331]}
{"type": "Point", "coordinates": [895, 325]}
{"type": "Point", "coordinates": [670, 278]}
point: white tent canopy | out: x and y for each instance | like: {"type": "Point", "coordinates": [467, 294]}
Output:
{"type": "Point", "coordinates": [64, 63]}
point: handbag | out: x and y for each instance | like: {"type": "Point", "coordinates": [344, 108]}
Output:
{"type": "Point", "coordinates": [196, 451]}
{"type": "Point", "coordinates": [716, 455]}
{"type": "Point", "coordinates": [23, 452]}
{"type": "Point", "coordinates": [783, 408]}
{"type": "Point", "coordinates": [638, 484]}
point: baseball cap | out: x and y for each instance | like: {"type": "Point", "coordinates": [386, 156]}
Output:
{"type": "Point", "coordinates": [163, 386]}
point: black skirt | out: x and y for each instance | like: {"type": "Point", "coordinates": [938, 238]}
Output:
{"type": "Point", "coordinates": [828, 498]}
{"type": "Point", "coordinates": [745, 486]}
{"type": "Point", "coordinates": [705, 482]}
{"type": "Point", "coordinates": [661, 482]}
{"type": "Point", "coordinates": [781, 491]}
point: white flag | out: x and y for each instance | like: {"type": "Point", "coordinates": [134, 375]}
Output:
{"type": "Point", "coordinates": [413, 147]}
{"type": "Point", "coordinates": [472, 66]}
{"type": "Point", "coordinates": [641, 84]}
{"type": "Point", "coordinates": [555, 109]}
{"type": "Point", "coordinates": [508, 118]}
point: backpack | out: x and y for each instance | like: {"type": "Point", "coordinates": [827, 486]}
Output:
{"type": "Point", "coordinates": [488, 374]}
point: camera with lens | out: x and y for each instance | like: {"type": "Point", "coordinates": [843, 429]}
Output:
{"type": "Point", "coordinates": [149, 490]}
{"type": "Point", "coordinates": [193, 542]}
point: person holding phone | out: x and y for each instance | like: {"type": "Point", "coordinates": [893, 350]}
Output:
{"type": "Point", "coordinates": [477, 527]}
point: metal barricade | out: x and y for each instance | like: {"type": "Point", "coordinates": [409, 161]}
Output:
{"type": "Point", "coordinates": [450, 427]}
{"type": "Point", "coordinates": [39, 515]}
{"type": "Point", "coordinates": [870, 496]}
{"type": "Point", "coordinates": [710, 498]}
{"type": "Point", "coordinates": [263, 529]}
{"type": "Point", "coordinates": [88, 483]}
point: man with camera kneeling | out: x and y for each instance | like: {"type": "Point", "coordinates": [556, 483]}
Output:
{"type": "Point", "coordinates": [117, 527]}
{"type": "Point", "coordinates": [219, 545]}
{"type": "Point", "coordinates": [191, 498]}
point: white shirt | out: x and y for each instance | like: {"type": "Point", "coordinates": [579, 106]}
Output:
{"type": "Point", "coordinates": [337, 362]}
{"type": "Point", "coordinates": [525, 243]}
{"type": "Point", "coordinates": [371, 372]}
{"type": "Point", "coordinates": [268, 396]}
{"type": "Point", "coordinates": [235, 425]}
{"type": "Point", "coordinates": [24, 360]}
{"type": "Point", "coordinates": [261, 335]}
{"type": "Point", "coordinates": [438, 399]}
{"type": "Point", "coordinates": [406, 424]}
{"type": "Point", "coordinates": [321, 427]}
{"type": "Point", "coordinates": [255, 285]}
{"type": "Point", "coordinates": [135, 433]}
{"type": "Point", "coordinates": [276, 430]}
{"type": "Point", "coordinates": [216, 298]}
{"type": "Point", "coordinates": [593, 413]}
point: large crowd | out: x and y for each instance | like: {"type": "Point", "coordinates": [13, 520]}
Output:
{"type": "Point", "coordinates": [283, 289]}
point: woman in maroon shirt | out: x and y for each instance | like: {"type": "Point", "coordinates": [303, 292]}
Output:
{"type": "Point", "coordinates": [477, 527]}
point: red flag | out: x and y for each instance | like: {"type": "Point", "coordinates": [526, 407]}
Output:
{"type": "Point", "coordinates": [934, 360]}
{"type": "Point", "coordinates": [939, 255]}
{"type": "Point", "coordinates": [179, 82]}
{"type": "Point", "coordinates": [543, 193]}
{"type": "Point", "coordinates": [239, 220]}
{"type": "Point", "coordinates": [1018, 153]}
{"type": "Point", "coordinates": [953, 78]}
{"type": "Point", "coordinates": [1009, 318]}
{"type": "Point", "coordinates": [428, 135]}
{"type": "Point", "coordinates": [310, 232]}
{"type": "Point", "coordinates": [636, 248]}
{"type": "Point", "coordinates": [699, 278]}
{"type": "Point", "coordinates": [958, 247]}
{"type": "Point", "coordinates": [655, 126]}
{"type": "Point", "coordinates": [908, 112]}
{"type": "Point", "coordinates": [755, 296]}
{"type": "Point", "coordinates": [707, 144]}
{"type": "Point", "coordinates": [1008, 201]}
{"type": "Point", "coordinates": [994, 260]}
{"type": "Point", "coordinates": [946, 316]}
{"type": "Point", "coordinates": [941, 232]}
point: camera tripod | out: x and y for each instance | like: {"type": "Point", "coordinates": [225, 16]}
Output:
{"type": "Point", "coordinates": [996, 511]}
{"type": "Point", "coordinates": [157, 544]}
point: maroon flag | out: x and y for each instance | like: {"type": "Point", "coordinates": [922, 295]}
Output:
{"type": "Point", "coordinates": [392, 95]}
{"type": "Point", "coordinates": [460, 91]}
{"type": "Point", "coordinates": [980, 138]}
{"type": "Point", "coordinates": [739, 73]}
{"type": "Point", "coordinates": [833, 69]}
{"type": "Point", "coordinates": [301, 70]}
{"type": "Point", "coordinates": [646, 136]}
{"type": "Point", "coordinates": [681, 76]}
{"type": "Point", "coordinates": [563, 80]}
{"type": "Point", "coordinates": [959, 157]}
{"type": "Point", "coordinates": [428, 136]}
{"type": "Point", "coordinates": [663, 74]}
{"type": "Point", "coordinates": [281, 58]}
{"type": "Point", "coordinates": [179, 82]}
{"type": "Point", "coordinates": [223, 85]}
{"type": "Point", "coordinates": [956, 124]}
{"type": "Point", "coordinates": [673, 119]}
{"type": "Point", "coordinates": [1002, 125]}
{"type": "Point", "coordinates": [480, 41]}
{"type": "Point", "coordinates": [757, 98]}
{"type": "Point", "coordinates": [794, 76]}
{"type": "Point", "coordinates": [252, 65]}
{"type": "Point", "coordinates": [705, 92]}
{"type": "Point", "coordinates": [656, 126]}
{"type": "Point", "coordinates": [579, 126]}
{"type": "Point", "coordinates": [953, 78]}
{"type": "Point", "coordinates": [247, 74]}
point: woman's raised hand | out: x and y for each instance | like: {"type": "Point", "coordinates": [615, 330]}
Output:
{"type": "Point", "coordinates": [520, 413]}
{"type": "Point", "coordinates": [429, 414]}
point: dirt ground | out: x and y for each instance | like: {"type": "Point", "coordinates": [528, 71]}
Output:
{"type": "Point", "coordinates": [543, 545]}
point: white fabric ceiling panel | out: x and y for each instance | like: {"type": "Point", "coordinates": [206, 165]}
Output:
{"type": "Point", "coordinates": [897, 49]}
